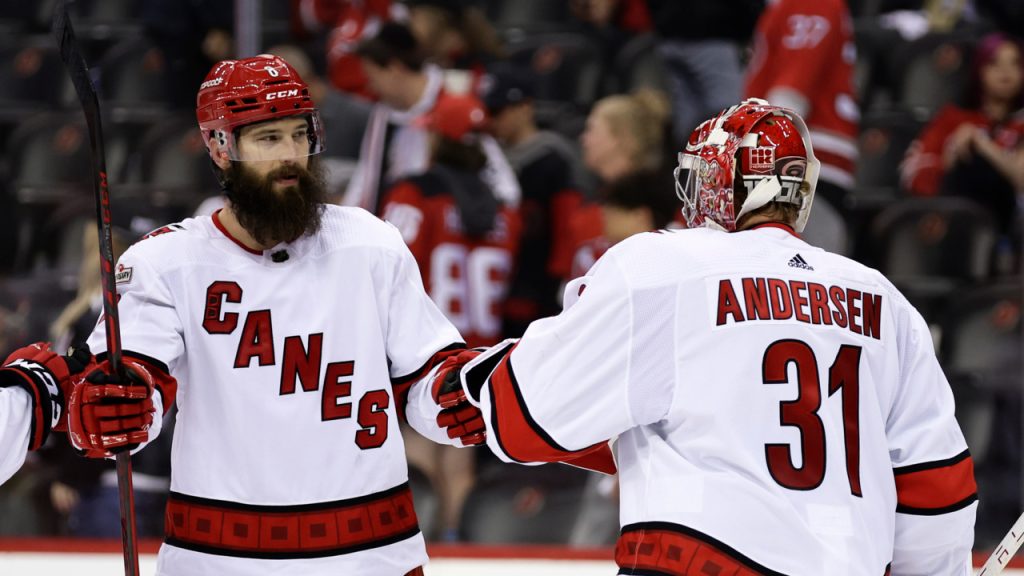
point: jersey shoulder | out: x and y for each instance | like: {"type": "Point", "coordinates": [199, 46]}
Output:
{"type": "Point", "coordinates": [167, 243]}
{"type": "Point", "coordinates": [350, 226]}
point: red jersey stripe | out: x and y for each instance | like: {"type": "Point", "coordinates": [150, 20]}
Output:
{"type": "Point", "coordinates": [518, 434]}
{"type": "Point", "coordinates": [936, 487]}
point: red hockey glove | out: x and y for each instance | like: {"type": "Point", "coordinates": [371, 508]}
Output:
{"type": "Point", "coordinates": [47, 378]}
{"type": "Point", "coordinates": [461, 419]}
{"type": "Point", "coordinates": [107, 415]}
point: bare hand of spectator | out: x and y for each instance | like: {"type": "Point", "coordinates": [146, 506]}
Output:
{"type": "Point", "coordinates": [63, 497]}
{"type": "Point", "coordinates": [959, 145]}
{"type": "Point", "coordinates": [596, 12]}
{"type": "Point", "coordinates": [217, 45]}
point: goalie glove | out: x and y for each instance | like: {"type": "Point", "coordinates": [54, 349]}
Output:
{"type": "Point", "coordinates": [107, 414]}
{"type": "Point", "coordinates": [47, 377]}
{"type": "Point", "coordinates": [458, 416]}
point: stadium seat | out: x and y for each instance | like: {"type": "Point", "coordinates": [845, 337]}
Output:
{"type": "Point", "coordinates": [173, 159]}
{"type": "Point", "coordinates": [981, 356]}
{"type": "Point", "coordinates": [567, 67]}
{"type": "Point", "coordinates": [883, 140]}
{"type": "Point", "coordinates": [426, 502]}
{"type": "Point", "coordinates": [506, 14]}
{"type": "Point", "coordinates": [981, 336]}
{"type": "Point", "coordinates": [928, 247]}
{"type": "Point", "coordinates": [50, 150]}
{"type": "Point", "coordinates": [530, 506]}
{"type": "Point", "coordinates": [32, 75]}
{"type": "Point", "coordinates": [106, 19]}
{"type": "Point", "coordinates": [931, 71]}
{"type": "Point", "coordinates": [133, 79]}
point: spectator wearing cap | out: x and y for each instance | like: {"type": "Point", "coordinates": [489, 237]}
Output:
{"type": "Point", "coordinates": [549, 170]}
{"type": "Point", "coordinates": [464, 239]}
{"type": "Point", "coordinates": [395, 143]}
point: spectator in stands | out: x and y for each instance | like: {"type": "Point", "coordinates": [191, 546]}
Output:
{"type": "Point", "coordinates": [625, 133]}
{"type": "Point", "coordinates": [393, 145]}
{"type": "Point", "coordinates": [454, 34]}
{"type": "Point", "coordinates": [465, 241]}
{"type": "Point", "coordinates": [803, 60]}
{"type": "Point", "coordinates": [701, 44]}
{"type": "Point", "coordinates": [548, 169]}
{"type": "Point", "coordinates": [977, 150]}
{"type": "Point", "coordinates": [612, 22]}
{"type": "Point", "coordinates": [350, 22]}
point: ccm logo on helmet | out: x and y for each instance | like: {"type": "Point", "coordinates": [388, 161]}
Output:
{"type": "Point", "coordinates": [282, 94]}
{"type": "Point", "coordinates": [214, 82]}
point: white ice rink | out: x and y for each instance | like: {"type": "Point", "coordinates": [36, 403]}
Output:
{"type": "Point", "coordinates": [445, 563]}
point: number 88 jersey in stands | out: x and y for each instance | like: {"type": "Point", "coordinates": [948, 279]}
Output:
{"type": "Point", "coordinates": [465, 242]}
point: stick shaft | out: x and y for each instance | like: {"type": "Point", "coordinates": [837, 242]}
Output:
{"type": "Point", "coordinates": [1007, 547]}
{"type": "Point", "coordinates": [75, 64]}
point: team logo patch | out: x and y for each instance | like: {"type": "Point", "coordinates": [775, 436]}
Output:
{"type": "Point", "coordinates": [761, 159]}
{"type": "Point", "coordinates": [123, 274]}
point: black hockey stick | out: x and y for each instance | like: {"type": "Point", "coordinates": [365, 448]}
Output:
{"type": "Point", "coordinates": [75, 64]}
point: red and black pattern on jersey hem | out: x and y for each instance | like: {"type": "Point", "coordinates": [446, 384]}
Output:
{"type": "Point", "coordinates": [938, 487]}
{"type": "Point", "coordinates": [290, 532]}
{"type": "Point", "coordinates": [166, 384]}
{"type": "Point", "coordinates": [520, 437]}
{"type": "Point", "coordinates": [42, 403]}
{"type": "Point", "coordinates": [401, 385]}
{"type": "Point", "coordinates": [669, 549]}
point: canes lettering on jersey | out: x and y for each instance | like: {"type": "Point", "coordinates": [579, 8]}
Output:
{"type": "Point", "coordinates": [300, 363]}
{"type": "Point", "coordinates": [740, 300]}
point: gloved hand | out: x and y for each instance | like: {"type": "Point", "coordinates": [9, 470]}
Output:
{"type": "Point", "coordinates": [47, 377]}
{"type": "Point", "coordinates": [108, 415]}
{"type": "Point", "coordinates": [461, 419]}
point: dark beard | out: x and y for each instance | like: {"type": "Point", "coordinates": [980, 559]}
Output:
{"type": "Point", "coordinates": [272, 217]}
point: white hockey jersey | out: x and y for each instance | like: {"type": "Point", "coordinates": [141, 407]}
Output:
{"type": "Point", "coordinates": [779, 409]}
{"type": "Point", "coordinates": [293, 367]}
{"type": "Point", "coordinates": [15, 420]}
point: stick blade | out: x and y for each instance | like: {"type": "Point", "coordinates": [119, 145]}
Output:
{"type": "Point", "coordinates": [72, 57]}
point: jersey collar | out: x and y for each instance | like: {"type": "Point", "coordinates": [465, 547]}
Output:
{"type": "Point", "coordinates": [778, 225]}
{"type": "Point", "coordinates": [224, 231]}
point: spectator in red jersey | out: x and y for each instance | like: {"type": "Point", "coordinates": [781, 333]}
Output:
{"type": "Point", "coordinates": [549, 172]}
{"type": "Point", "coordinates": [977, 150]}
{"type": "Point", "coordinates": [803, 60]}
{"type": "Point", "coordinates": [464, 240]}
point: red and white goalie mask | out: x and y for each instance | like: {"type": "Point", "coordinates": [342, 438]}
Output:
{"type": "Point", "coordinates": [763, 148]}
{"type": "Point", "coordinates": [264, 98]}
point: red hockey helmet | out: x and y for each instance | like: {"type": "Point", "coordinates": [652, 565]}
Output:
{"type": "Point", "coordinates": [263, 88]}
{"type": "Point", "coordinates": [766, 147]}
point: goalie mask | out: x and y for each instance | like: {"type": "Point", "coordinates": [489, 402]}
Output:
{"type": "Point", "coordinates": [764, 149]}
{"type": "Point", "coordinates": [239, 93]}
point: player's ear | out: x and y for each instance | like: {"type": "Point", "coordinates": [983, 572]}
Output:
{"type": "Point", "coordinates": [218, 154]}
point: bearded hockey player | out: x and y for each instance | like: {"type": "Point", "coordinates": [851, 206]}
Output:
{"type": "Point", "coordinates": [294, 336]}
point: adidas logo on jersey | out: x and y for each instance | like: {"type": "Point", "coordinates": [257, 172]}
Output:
{"type": "Point", "coordinates": [799, 262]}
